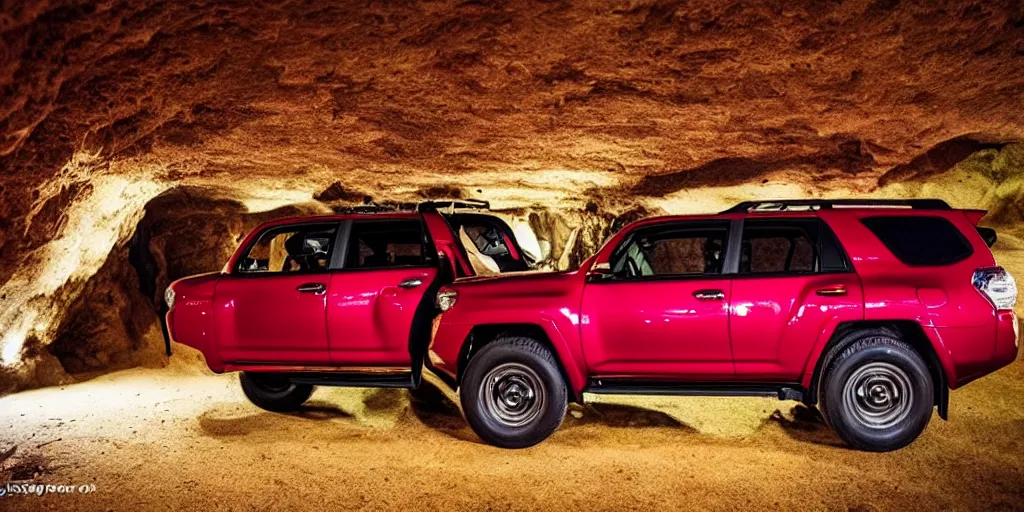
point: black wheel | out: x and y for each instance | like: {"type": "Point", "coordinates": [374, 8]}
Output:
{"type": "Point", "coordinates": [274, 392]}
{"type": "Point", "coordinates": [877, 393]}
{"type": "Point", "coordinates": [513, 394]}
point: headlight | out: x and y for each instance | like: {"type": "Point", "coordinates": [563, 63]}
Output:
{"type": "Point", "coordinates": [169, 297]}
{"type": "Point", "coordinates": [446, 299]}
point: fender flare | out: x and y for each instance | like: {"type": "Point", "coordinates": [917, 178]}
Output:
{"type": "Point", "coordinates": [571, 364]}
{"type": "Point", "coordinates": [938, 358]}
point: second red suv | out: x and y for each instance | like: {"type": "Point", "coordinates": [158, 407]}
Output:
{"type": "Point", "coordinates": [871, 310]}
{"type": "Point", "coordinates": [343, 300]}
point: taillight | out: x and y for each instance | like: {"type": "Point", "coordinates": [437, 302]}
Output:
{"type": "Point", "coordinates": [446, 299]}
{"type": "Point", "coordinates": [998, 285]}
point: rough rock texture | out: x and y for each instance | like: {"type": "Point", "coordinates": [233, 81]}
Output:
{"type": "Point", "coordinates": [572, 112]}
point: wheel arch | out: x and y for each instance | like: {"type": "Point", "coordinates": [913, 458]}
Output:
{"type": "Point", "coordinates": [482, 335]}
{"type": "Point", "coordinates": [909, 331]}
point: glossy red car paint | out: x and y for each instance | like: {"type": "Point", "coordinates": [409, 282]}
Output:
{"type": "Point", "coordinates": [762, 329]}
{"type": "Point", "coordinates": [361, 319]}
{"type": "Point", "coordinates": [369, 316]}
{"type": "Point", "coordinates": [192, 318]}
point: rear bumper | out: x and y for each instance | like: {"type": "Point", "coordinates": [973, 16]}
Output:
{"type": "Point", "coordinates": [1007, 338]}
{"type": "Point", "coordinates": [194, 332]}
{"type": "Point", "coordinates": [973, 356]}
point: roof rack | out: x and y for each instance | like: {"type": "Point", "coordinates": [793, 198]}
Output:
{"type": "Point", "coordinates": [826, 204]}
{"type": "Point", "coordinates": [434, 205]}
{"type": "Point", "coordinates": [366, 208]}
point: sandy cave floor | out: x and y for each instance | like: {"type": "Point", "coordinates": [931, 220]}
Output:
{"type": "Point", "coordinates": [178, 439]}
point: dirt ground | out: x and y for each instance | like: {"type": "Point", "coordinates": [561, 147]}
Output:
{"type": "Point", "coordinates": [178, 439]}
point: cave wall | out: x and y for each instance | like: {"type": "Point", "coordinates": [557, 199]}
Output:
{"type": "Point", "coordinates": [108, 318]}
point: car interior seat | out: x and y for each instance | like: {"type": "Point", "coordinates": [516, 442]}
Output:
{"type": "Point", "coordinates": [483, 264]}
{"type": "Point", "coordinates": [298, 255]}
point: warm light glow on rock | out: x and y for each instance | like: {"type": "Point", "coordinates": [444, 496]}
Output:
{"type": "Point", "coordinates": [39, 290]}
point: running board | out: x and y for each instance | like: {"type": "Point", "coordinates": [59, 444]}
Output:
{"type": "Point", "coordinates": [355, 379]}
{"type": "Point", "coordinates": [624, 386]}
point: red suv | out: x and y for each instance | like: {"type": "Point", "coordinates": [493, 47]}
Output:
{"type": "Point", "coordinates": [870, 309]}
{"type": "Point", "coordinates": [342, 300]}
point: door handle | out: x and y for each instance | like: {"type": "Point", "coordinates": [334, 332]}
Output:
{"type": "Point", "coordinates": [316, 288]}
{"type": "Point", "coordinates": [709, 294]}
{"type": "Point", "coordinates": [410, 283]}
{"type": "Point", "coordinates": [832, 291]}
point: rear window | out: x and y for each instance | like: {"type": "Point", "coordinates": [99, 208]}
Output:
{"type": "Point", "coordinates": [920, 240]}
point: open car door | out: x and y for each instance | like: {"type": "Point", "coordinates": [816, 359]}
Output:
{"type": "Point", "coordinates": [485, 239]}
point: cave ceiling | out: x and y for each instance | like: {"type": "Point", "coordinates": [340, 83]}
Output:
{"type": "Point", "coordinates": [568, 97]}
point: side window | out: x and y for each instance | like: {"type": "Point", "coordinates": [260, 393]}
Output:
{"type": "Point", "coordinates": [779, 246]}
{"type": "Point", "coordinates": [291, 249]}
{"type": "Point", "coordinates": [386, 243]}
{"type": "Point", "coordinates": [675, 250]}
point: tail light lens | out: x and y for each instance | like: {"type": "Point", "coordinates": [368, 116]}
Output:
{"type": "Point", "coordinates": [998, 285]}
{"type": "Point", "coordinates": [446, 299]}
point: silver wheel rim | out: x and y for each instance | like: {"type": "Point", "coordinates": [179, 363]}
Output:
{"type": "Point", "coordinates": [878, 395]}
{"type": "Point", "coordinates": [512, 393]}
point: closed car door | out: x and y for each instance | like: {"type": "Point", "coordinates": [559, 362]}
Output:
{"type": "Point", "coordinates": [664, 310]}
{"type": "Point", "coordinates": [271, 308]}
{"type": "Point", "coordinates": [794, 286]}
{"type": "Point", "coordinates": [382, 290]}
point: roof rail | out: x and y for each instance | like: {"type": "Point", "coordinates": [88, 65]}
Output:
{"type": "Point", "coordinates": [434, 205]}
{"type": "Point", "coordinates": [825, 204]}
{"type": "Point", "coordinates": [366, 208]}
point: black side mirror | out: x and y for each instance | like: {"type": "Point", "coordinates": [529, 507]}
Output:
{"type": "Point", "coordinates": [600, 272]}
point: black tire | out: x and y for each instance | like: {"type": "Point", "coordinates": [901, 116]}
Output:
{"type": "Point", "coordinates": [877, 393]}
{"type": "Point", "coordinates": [273, 392]}
{"type": "Point", "coordinates": [513, 394]}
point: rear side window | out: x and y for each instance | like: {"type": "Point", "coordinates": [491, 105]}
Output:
{"type": "Point", "coordinates": [920, 240]}
{"type": "Point", "coordinates": [779, 246]}
{"type": "Point", "coordinates": [790, 246]}
{"type": "Point", "coordinates": [382, 244]}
